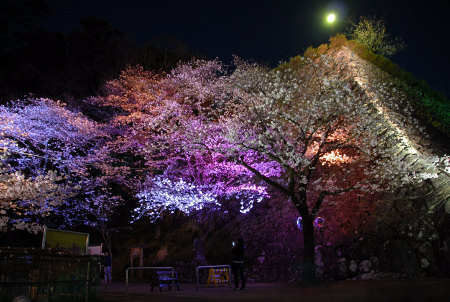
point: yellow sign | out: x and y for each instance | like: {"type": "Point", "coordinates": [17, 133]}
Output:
{"type": "Point", "coordinates": [218, 275]}
{"type": "Point", "coordinates": [66, 241]}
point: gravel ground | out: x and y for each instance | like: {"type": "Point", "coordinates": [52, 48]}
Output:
{"type": "Point", "coordinates": [375, 290]}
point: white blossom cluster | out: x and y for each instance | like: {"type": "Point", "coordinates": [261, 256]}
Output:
{"type": "Point", "coordinates": [248, 195]}
{"type": "Point", "coordinates": [199, 78]}
{"type": "Point", "coordinates": [167, 195]}
{"type": "Point", "coordinates": [23, 201]}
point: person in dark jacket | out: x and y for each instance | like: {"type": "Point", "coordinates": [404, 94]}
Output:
{"type": "Point", "coordinates": [108, 264]}
{"type": "Point", "coordinates": [238, 252]}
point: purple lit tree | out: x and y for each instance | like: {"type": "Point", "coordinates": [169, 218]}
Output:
{"type": "Point", "coordinates": [149, 125]}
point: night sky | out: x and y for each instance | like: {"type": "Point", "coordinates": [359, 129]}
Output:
{"type": "Point", "coordinates": [271, 31]}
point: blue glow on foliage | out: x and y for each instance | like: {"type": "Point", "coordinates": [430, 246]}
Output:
{"type": "Point", "coordinates": [300, 223]}
{"type": "Point", "coordinates": [167, 195]}
{"type": "Point", "coordinates": [319, 222]}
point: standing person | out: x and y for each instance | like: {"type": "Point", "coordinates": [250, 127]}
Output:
{"type": "Point", "coordinates": [108, 263]}
{"type": "Point", "coordinates": [238, 251]}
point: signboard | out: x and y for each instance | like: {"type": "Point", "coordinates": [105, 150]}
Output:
{"type": "Point", "coordinates": [95, 249]}
{"type": "Point", "coordinates": [217, 276]}
{"type": "Point", "coordinates": [136, 252]}
{"type": "Point", "coordinates": [72, 242]}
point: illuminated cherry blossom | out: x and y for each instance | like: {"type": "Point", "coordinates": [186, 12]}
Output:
{"type": "Point", "coordinates": [42, 144]}
{"type": "Point", "coordinates": [167, 195]}
{"type": "Point", "coordinates": [324, 133]}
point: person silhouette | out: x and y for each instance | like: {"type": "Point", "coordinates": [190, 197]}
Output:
{"type": "Point", "coordinates": [238, 252]}
{"type": "Point", "coordinates": [108, 263]}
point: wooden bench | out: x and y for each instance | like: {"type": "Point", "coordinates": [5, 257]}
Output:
{"type": "Point", "coordinates": [164, 279]}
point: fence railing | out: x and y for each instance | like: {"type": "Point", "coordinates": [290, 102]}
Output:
{"type": "Point", "coordinates": [46, 276]}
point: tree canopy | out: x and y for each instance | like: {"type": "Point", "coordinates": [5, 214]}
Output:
{"type": "Point", "coordinates": [206, 134]}
{"type": "Point", "coordinates": [372, 32]}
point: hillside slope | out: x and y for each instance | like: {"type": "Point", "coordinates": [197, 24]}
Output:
{"type": "Point", "coordinates": [425, 208]}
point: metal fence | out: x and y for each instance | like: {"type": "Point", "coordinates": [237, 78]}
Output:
{"type": "Point", "coordinates": [45, 276]}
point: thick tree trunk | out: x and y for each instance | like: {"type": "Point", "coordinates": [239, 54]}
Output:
{"type": "Point", "coordinates": [309, 266]}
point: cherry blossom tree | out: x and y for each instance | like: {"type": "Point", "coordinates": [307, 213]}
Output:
{"type": "Point", "coordinates": [44, 145]}
{"type": "Point", "coordinates": [93, 208]}
{"type": "Point", "coordinates": [152, 112]}
{"type": "Point", "coordinates": [137, 122]}
{"type": "Point", "coordinates": [44, 135]}
{"type": "Point", "coordinates": [315, 124]}
{"type": "Point", "coordinates": [194, 138]}
{"type": "Point", "coordinates": [143, 154]}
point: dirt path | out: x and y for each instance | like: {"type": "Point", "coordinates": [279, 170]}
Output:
{"type": "Point", "coordinates": [376, 290]}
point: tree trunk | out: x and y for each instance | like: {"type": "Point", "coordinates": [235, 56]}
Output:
{"type": "Point", "coordinates": [309, 266]}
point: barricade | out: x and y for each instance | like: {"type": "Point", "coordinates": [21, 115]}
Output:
{"type": "Point", "coordinates": [217, 274]}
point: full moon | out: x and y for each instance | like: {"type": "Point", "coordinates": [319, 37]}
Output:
{"type": "Point", "coordinates": [331, 17]}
